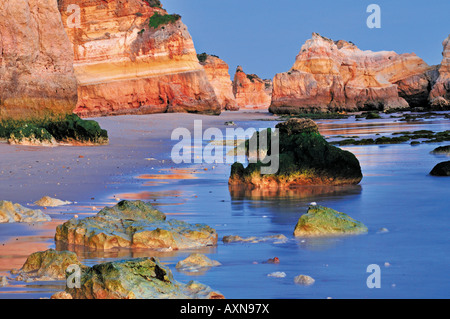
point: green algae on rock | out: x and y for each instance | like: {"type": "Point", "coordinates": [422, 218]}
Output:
{"type": "Point", "coordinates": [323, 221]}
{"type": "Point", "coordinates": [31, 135]}
{"type": "Point", "coordinates": [16, 213]}
{"type": "Point", "coordinates": [48, 265]}
{"type": "Point", "coordinates": [142, 278]}
{"type": "Point", "coordinates": [134, 224]}
{"type": "Point", "coordinates": [441, 169]}
{"type": "Point", "coordinates": [305, 158]}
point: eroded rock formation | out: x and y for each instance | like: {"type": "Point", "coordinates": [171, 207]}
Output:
{"type": "Point", "coordinates": [440, 94]}
{"type": "Point", "coordinates": [336, 75]}
{"type": "Point", "coordinates": [251, 91]}
{"type": "Point", "coordinates": [131, 57]}
{"type": "Point", "coordinates": [218, 75]}
{"type": "Point", "coordinates": [36, 67]}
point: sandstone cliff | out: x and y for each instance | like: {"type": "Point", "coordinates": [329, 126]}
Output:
{"type": "Point", "coordinates": [219, 77]}
{"type": "Point", "coordinates": [251, 91]}
{"type": "Point", "coordinates": [440, 93]}
{"type": "Point", "coordinates": [131, 57]}
{"type": "Point", "coordinates": [336, 75]}
{"type": "Point", "coordinates": [36, 69]}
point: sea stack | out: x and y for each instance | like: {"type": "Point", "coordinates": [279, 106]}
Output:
{"type": "Point", "coordinates": [440, 94]}
{"type": "Point", "coordinates": [251, 91]}
{"type": "Point", "coordinates": [132, 57]}
{"type": "Point", "coordinates": [37, 79]}
{"type": "Point", "coordinates": [218, 74]}
{"type": "Point", "coordinates": [337, 76]}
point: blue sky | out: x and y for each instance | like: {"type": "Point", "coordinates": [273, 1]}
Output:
{"type": "Point", "coordinates": [264, 36]}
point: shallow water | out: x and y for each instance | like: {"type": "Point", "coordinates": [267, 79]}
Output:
{"type": "Point", "coordinates": [396, 193]}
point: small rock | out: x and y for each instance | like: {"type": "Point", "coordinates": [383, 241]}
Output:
{"type": "Point", "coordinates": [274, 260]}
{"type": "Point", "coordinates": [196, 262]}
{"type": "Point", "coordinates": [304, 280]}
{"type": "Point", "coordinates": [277, 274]}
{"type": "Point", "coordinates": [3, 281]}
{"type": "Point", "coordinates": [61, 295]}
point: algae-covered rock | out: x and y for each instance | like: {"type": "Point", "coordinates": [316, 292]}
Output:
{"type": "Point", "coordinates": [134, 224]}
{"type": "Point", "coordinates": [441, 169]}
{"type": "Point", "coordinates": [49, 264]}
{"type": "Point", "coordinates": [16, 213]}
{"type": "Point", "coordinates": [142, 278]}
{"type": "Point", "coordinates": [305, 158]}
{"type": "Point", "coordinates": [31, 135]}
{"type": "Point", "coordinates": [196, 262]}
{"type": "Point", "coordinates": [323, 221]}
{"type": "Point", "coordinates": [442, 150]}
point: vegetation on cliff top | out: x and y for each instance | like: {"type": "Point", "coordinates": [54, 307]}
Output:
{"type": "Point", "coordinates": [157, 20]}
{"type": "Point", "coordinates": [202, 57]}
{"type": "Point", "coordinates": [154, 3]}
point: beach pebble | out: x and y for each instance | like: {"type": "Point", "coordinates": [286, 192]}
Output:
{"type": "Point", "coordinates": [304, 280]}
{"type": "Point", "coordinates": [277, 274]}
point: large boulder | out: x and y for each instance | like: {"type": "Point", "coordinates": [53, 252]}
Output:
{"type": "Point", "coordinates": [441, 169]}
{"type": "Point", "coordinates": [16, 213]}
{"type": "Point", "coordinates": [305, 158]}
{"type": "Point", "coordinates": [143, 278]}
{"type": "Point", "coordinates": [323, 221]}
{"type": "Point", "coordinates": [48, 265]}
{"type": "Point", "coordinates": [134, 224]}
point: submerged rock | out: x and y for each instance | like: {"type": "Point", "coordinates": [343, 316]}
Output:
{"type": "Point", "coordinates": [442, 150]}
{"type": "Point", "coordinates": [48, 265]}
{"type": "Point", "coordinates": [323, 221]}
{"type": "Point", "coordinates": [134, 224]}
{"type": "Point", "coordinates": [277, 239]}
{"type": "Point", "coordinates": [15, 213]}
{"type": "Point", "coordinates": [304, 280]}
{"type": "Point", "coordinates": [142, 278]}
{"type": "Point", "coordinates": [277, 274]}
{"type": "Point", "coordinates": [47, 201]}
{"type": "Point", "coordinates": [441, 169]}
{"type": "Point", "coordinates": [305, 158]}
{"type": "Point", "coordinates": [196, 262]}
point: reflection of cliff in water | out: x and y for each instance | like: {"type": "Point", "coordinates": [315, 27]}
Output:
{"type": "Point", "coordinates": [295, 193]}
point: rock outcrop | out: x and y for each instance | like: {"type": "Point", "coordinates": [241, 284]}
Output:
{"type": "Point", "coordinates": [305, 158]}
{"type": "Point", "coordinates": [336, 75]}
{"type": "Point", "coordinates": [143, 278]}
{"type": "Point", "coordinates": [36, 67]}
{"type": "Point", "coordinates": [16, 213]}
{"type": "Point", "coordinates": [441, 169]}
{"type": "Point", "coordinates": [131, 57]}
{"type": "Point", "coordinates": [323, 221]}
{"type": "Point", "coordinates": [48, 265]}
{"type": "Point", "coordinates": [440, 93]}
{"type": "Point", "coordinates": [218, 75]}
{"type": "Point", "coordinates": [134, 224]}
{"type": "Point", "coordinates": [251, 92]}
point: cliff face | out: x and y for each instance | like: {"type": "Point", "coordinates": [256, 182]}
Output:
{"type": "Point", "coordinates": [251, 91]}
{"type": "Point", "coordinates": [131, 57]}
{"type": "Point", "coordinates": [336, 75]}
{"type": "Point", "coordinates": [219, 77]}
{"type": "Point", "coordinates": [440, 94]}
{"type": "Point", "coordinates": [36, 69]}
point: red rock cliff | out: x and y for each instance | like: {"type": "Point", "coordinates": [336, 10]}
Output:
{"type": "Point", "coordinates": [440, 94]}
{"type": "Point", "coordinates": [36, 67]}
{"type": "Point", "coordinates": [336, 75]}
{"type": "Point", "coordinates": [131, 57]}
{"type": "Point", "coordinates": [219, 77]}
{"type": "Point", "coordinates": [251, 91]}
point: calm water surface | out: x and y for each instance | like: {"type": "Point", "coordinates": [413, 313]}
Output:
{"type": "Point", "coordinates": [396, 193]}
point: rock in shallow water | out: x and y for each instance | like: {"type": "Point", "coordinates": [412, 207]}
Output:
{"type": "Point", "coordinates": [304, 280]}
{"type": "Point", "coordinates": [142, 278]}
{"type": "Point", "coordinates": [15, 213]}
{"type": "Point", "coordinates": [323, 221]}
{"type": "Point", "coordinates": [48, 265]}
{"type": "Point", "coordinates": [441, 169]}
{"type": "Point", "coordinates": [442, 150]}
{"type": "Point", "coordinates": [196, 262]}
{"type": "Point", "coordinates": [134, 224]}
{"type": "Point", "coordinates": [47, 201]}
